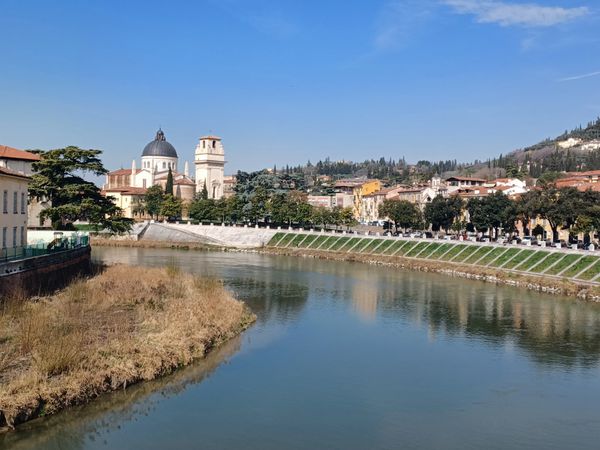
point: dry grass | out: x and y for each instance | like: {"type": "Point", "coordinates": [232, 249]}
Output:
{"type": "Point", "coordinates": [122, 326]}
{"type": "Point", "coordinates": [147, 243]}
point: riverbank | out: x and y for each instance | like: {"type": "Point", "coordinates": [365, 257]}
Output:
{"type": "Point", "coordinates": [123, 326]}
{"type": "Point", "coordinates": [548, 285]}
{"type": "Point", "coordinates": [147, 243]}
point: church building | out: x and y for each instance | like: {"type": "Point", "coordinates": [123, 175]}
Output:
{"type": "Point", "coordinates": [128, 186]}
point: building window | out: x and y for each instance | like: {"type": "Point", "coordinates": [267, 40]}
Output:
{"type": "Point", "coordinates": [203, 144]}
{"type": "Point", "coordinates": [164, 165]}
{"type": "Point", "coordinates": [4, 232]}
{"type": "Point", "coordinates": [15, 204]}
{"type": "Point", "coordinates": [144, 183]}
{"type": "Point", "coordinates": [23, 236]}
{"type": "Point", "coordinates": [5, 202]}
{"type": "Point", "coordinates": [214, 144]}
{"type": "Point", "coordinates": [14, 236]}
{"type": "Point", "coordinates": [23, 203]}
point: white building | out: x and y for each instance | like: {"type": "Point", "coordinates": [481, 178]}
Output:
{"type": "Point", "coordinates": [128, 186]}
{"type": "Point", "coordinates": [210, 166]}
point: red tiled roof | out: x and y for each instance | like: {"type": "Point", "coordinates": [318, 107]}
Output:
{"type": "Point", "coordinates": [184, 181]}
{"type": "Point", "coordinates": [12, 173]}
{"type": "Point", "coordinates": [13, 153]}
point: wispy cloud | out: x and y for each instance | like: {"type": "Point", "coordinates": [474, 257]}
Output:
{"type": "Point", "coordinates": [580, 77]}
{"type": "Point", "coordinates": [530, 15]}
{"type": "Point", "coordinates": [400, 20]}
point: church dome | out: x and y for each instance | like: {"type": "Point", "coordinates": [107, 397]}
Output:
{"type": "Point", "coordinates": [160, 147]}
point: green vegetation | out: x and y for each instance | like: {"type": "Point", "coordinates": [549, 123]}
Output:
{"type": "Point", "coordinates": [509, 254]}
{"type": "Point", "coordinates": [58, 180]}
{"type": "Point", "coordinates": [365, 242]}
{"type": "Point", "coordinates": [297, 239]}
{"type": "Point", "coordinates": [466, 253]}
{"type": "Point", "coordinates": [309, 240]}
{"type": "Point", "coordinates": [394, 247]}
{"type": "Point", "coordinates": [453, 252]}
{"type": "Point", "coordinates": [328, 243]}
{"type": "Point", "coordinates": [550, 259]}
{"type": "Point", "coordinates": [563, 264]}
{"type": "Point", "coordinates": [579, 266]}
{"type": "Point", "coordinates": [429, 250]}
{"type": "Point", "coordinates": [475, 256]}
{"type": "Point", "coordinates": [520, 258]}
{"type": "Point", "coordinates": [275, 239]}
{"type": "Point", "coordinates": [317, 242]}
{"type": "Point", "coordinates": [591, 273]}
{"type": "Point", "coordinates": [339, 243]}
{"type": "Point", "coordinates": [491, 256]}
{"type": "Point", "coordinates": [369, 248]}
{"type": "Point", "coordinates": [443, 248]}
{"type": "Point", "coordinates": [404, 249]}
{"type": "Point", "coordinates": [533, 260]}
{"type": "Point", "coordinates": [383, 247]}
{"type": "Point", "coordinates": [348, 245]}
{"type": "Point", "coordinates": [416, 249]}
{"type": "Point", "coordinates": [286, 240]}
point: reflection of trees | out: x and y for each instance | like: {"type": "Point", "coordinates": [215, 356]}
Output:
{"type": "Point", "coordinates": [552, 331]}
{"type": "Point", "coordinates": [70, 429]}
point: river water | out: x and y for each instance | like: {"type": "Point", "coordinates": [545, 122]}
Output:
{"type": "Point", "coordinates": [351, 356]}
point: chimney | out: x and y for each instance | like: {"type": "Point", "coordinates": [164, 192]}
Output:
{"type": "Point", "coordinates": [186, 170]}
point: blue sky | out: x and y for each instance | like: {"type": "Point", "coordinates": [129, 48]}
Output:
{"type": "Point", "coordinates": [286, 81]}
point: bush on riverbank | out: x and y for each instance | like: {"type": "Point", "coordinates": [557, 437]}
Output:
{"type": "Point", "coordinates": [125, 325]}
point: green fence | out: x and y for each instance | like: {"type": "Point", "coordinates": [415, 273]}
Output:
{"type": "Point", "coordinates": [45, 248]}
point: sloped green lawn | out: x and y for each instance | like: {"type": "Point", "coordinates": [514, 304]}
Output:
{"type": "Point", "coordinates": [475, 256]}
{"type": "Point", "coordinates": [519, 259]}
{"type": "Point", "coordinates": [562, 264]}
{"type": "Point", "coordinates": [546, 262]}
{"type": "Point", "coordinates": [579, 266]}
{"type": "Point", "coordinates": [466, 253]}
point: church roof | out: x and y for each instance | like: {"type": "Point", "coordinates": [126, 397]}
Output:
{"type": "Point", "coordinates": [160, 147]}
{"type": "Point", "coordinates": [211, 137]}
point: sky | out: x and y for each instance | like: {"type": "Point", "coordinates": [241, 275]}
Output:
{"type": "Point", "coordinates": [287, 81]}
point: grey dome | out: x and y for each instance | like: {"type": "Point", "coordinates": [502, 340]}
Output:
{"type": "Point", "coordinates": [160, 147]}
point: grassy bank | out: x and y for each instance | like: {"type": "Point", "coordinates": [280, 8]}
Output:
{"type": "Point", "coordinates": [125, 325]}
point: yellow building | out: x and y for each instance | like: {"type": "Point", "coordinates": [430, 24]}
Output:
{"type": "Point", "coordinates": [359, 188]}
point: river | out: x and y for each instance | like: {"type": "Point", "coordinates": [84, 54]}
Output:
{"type": "Point", "coordinates": [352, 356]}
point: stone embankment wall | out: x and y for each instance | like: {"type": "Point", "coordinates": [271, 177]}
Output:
{"type": "Point", "coordinates": [217, 235]}
{"type": "Point", "coordinates": [42, 274]}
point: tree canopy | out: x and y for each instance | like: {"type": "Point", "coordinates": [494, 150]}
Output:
{"type": "Point", "coordinates": [58, 177]}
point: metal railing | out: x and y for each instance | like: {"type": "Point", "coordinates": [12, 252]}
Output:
{"type": "Point", "coordinates": [43, 248]}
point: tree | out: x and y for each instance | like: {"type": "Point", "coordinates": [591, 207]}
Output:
{"type": "Point", "coordinates": [204, 193]}
{"type": "Point", "coordinates": [492, 212]}
{"type": "Point", "coordinates": [171, 206]}
{"type": "Point", "coordinates": [58, 178]}
{"type": "Point", "coordinates": [442, 212]}
{"type": "Point", "coordinates": [403, 213]}
{"type": "Point", "coordinates": [169, 185]}
{"type": "Point", "coordinates": [153, 200]}
{"type": "Point", "coordinates": [560, 207]}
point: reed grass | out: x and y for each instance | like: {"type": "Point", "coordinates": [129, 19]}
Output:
{"type": "Point", "coordinates": [125, 325]}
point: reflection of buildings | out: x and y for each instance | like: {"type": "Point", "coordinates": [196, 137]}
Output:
{"type": "Point", "coordinates": [364, 299]}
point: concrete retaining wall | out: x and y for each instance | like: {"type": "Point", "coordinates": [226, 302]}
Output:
{"type": "Point", "coordinates": [225, 236]}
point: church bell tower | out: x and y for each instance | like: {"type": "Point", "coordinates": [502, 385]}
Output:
{"type": "Point", "coordinates": [209, 160]}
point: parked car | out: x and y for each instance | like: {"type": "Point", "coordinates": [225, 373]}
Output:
{"type": "Point", "coordinates": [529, 240]}
{"type": "Point", "coordinates": [416, 234]}
{"type": "Point", "coordinates": [428, 235]}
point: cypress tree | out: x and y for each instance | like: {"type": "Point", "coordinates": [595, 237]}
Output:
{"type": "Point", "coordinates": [169, 185]}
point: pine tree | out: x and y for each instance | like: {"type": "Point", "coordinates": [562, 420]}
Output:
{"type": "Point", "coordinates": [204, 193]}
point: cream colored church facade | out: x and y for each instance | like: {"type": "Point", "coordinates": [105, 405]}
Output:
{"type": "Point", "coordinates": [128, 186]}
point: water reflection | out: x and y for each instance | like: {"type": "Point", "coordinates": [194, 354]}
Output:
{"type": "Point", "coordinates": [358, 356]}
{"type": "Point", "coordinates": [73, 428]}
